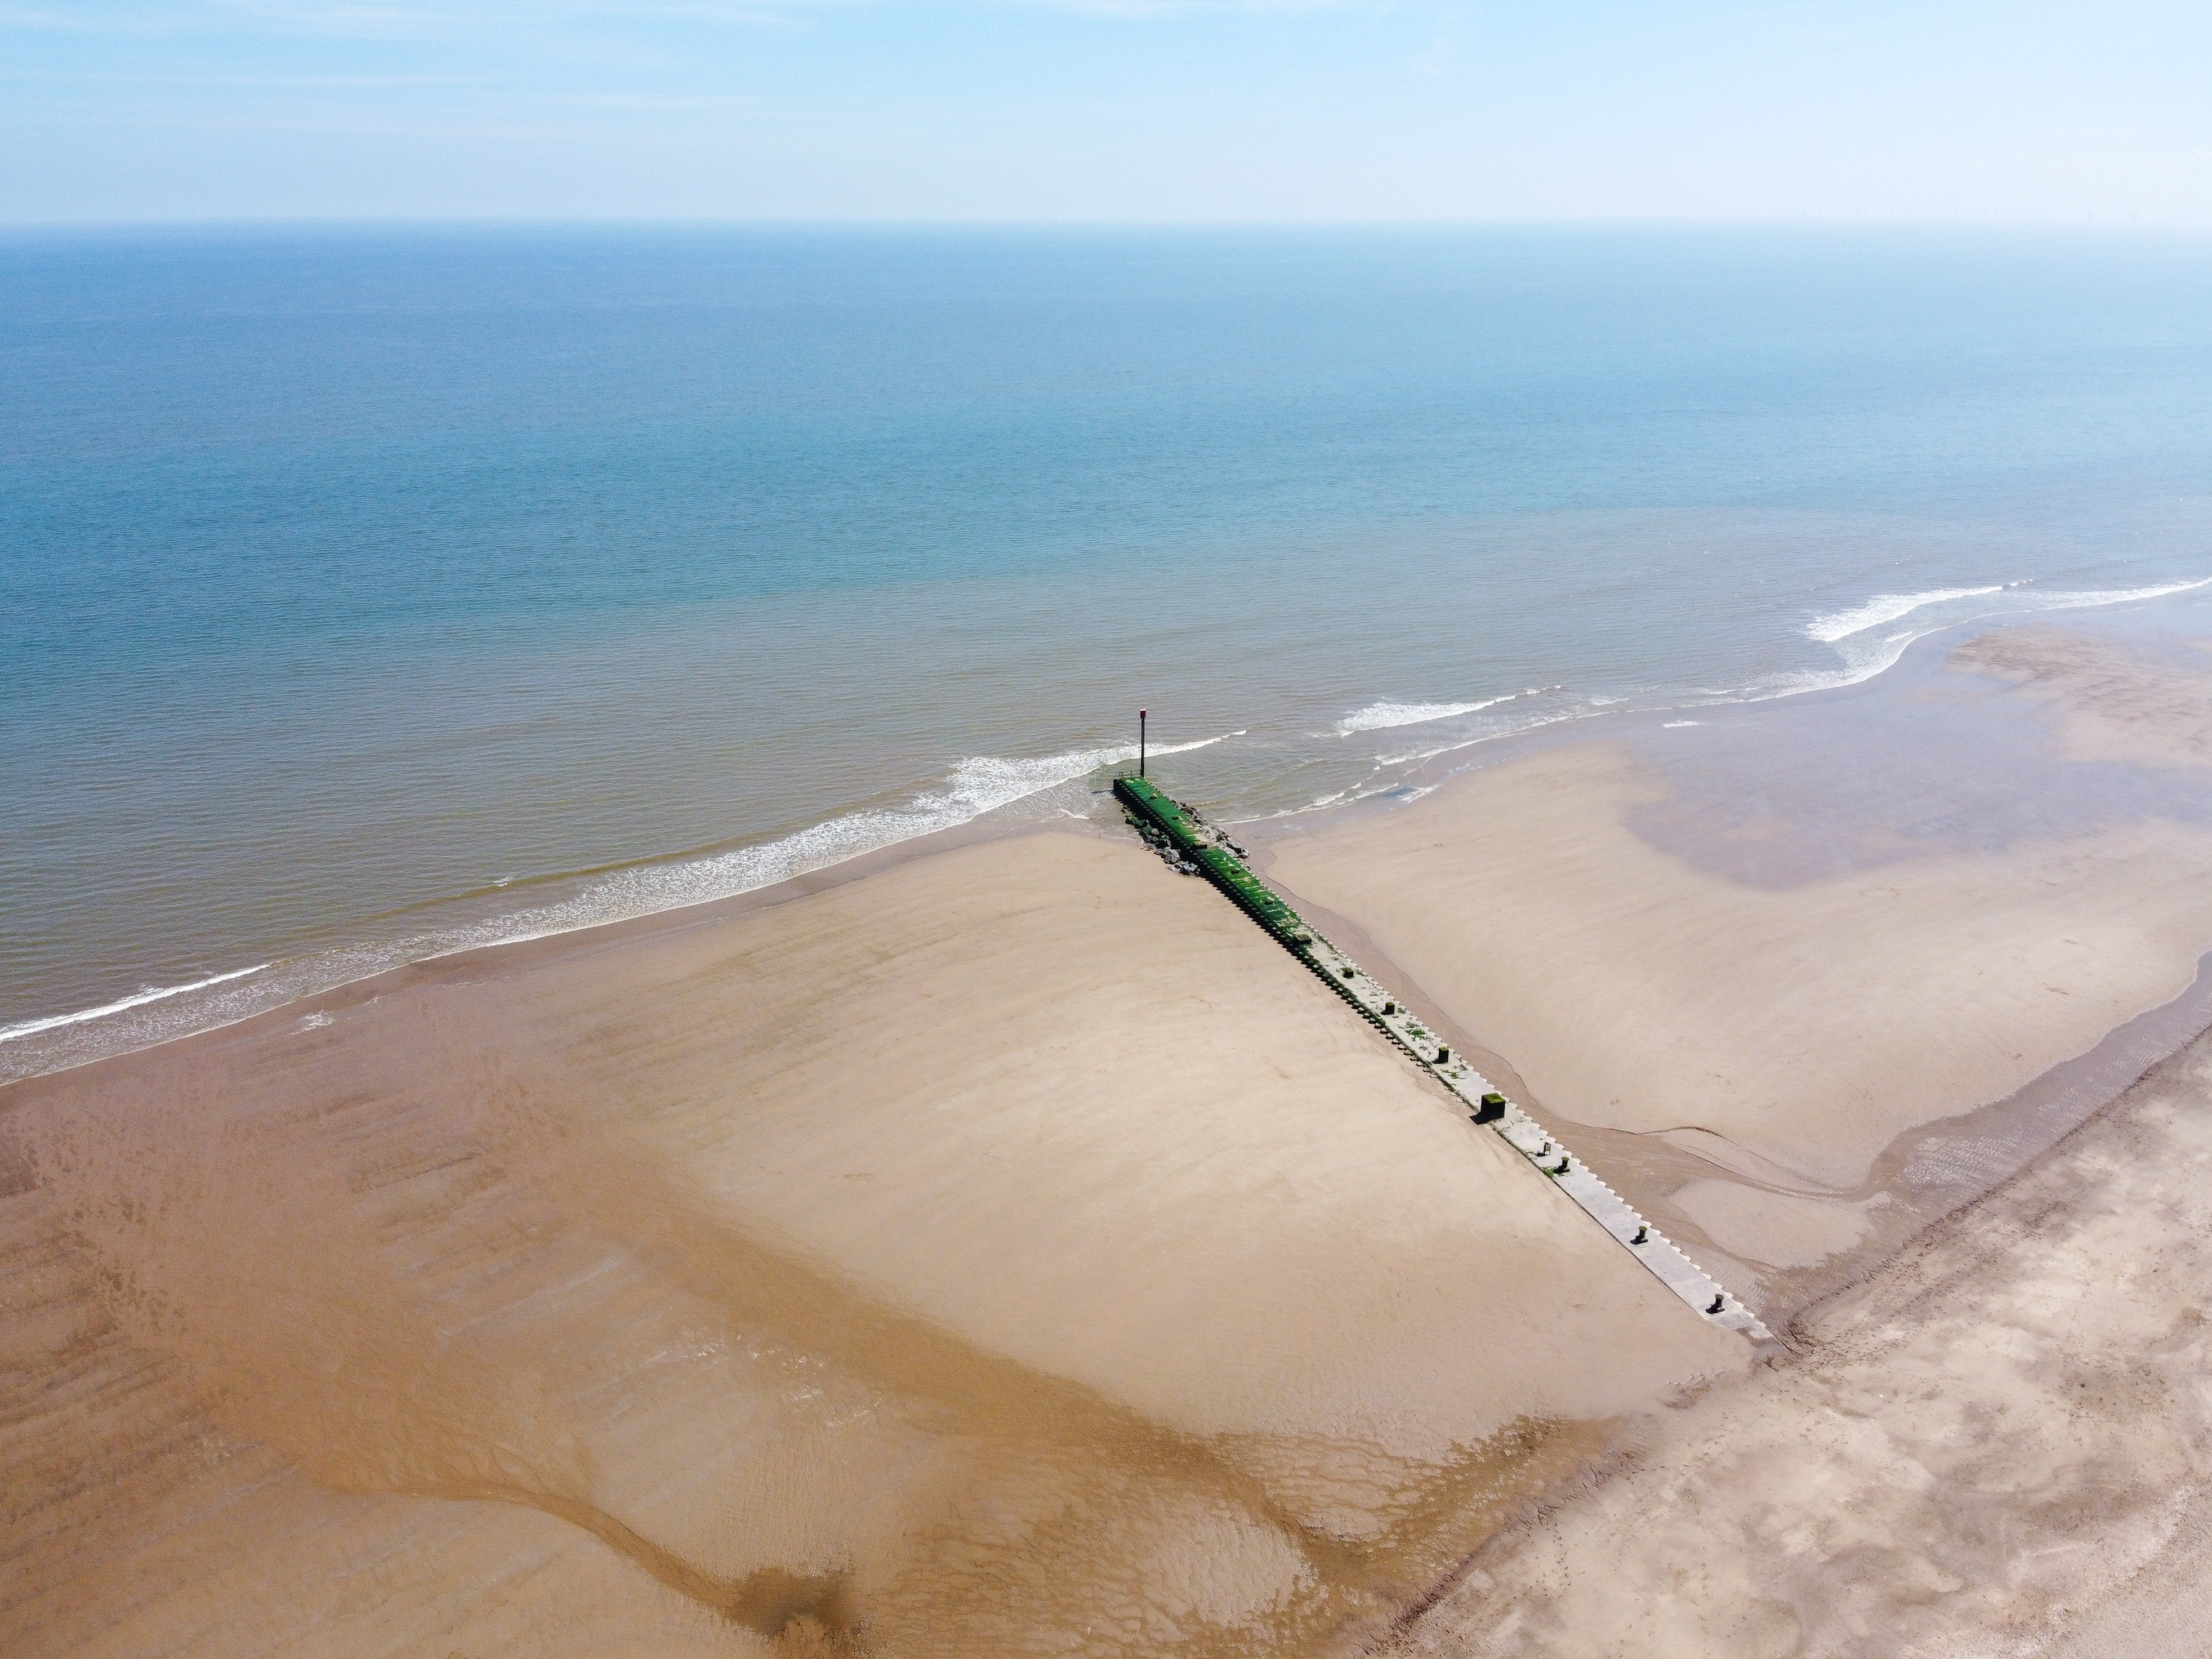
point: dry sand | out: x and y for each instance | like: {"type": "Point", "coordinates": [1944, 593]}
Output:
{"type": "Point", "coordinates": [1010, 1253]}
{"type": "Point", "coordinates": [1811, 1026]}
{"type": "Point", "coordinates": [2000, 1444]}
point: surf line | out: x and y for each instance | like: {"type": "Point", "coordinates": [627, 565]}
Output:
{"type": "Point", "coordinates": [1197, 846]}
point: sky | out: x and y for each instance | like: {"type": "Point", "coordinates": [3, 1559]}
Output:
{"type": "Point", "coordinates": [1948, 112]}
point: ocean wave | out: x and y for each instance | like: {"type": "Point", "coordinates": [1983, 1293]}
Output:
{"type": "Point", "coordinates": [975, 786]}
{"type": "Point", "coordinates": [1840, 625]}
{"type": "Point", "coordinates": [2085, 599]}
{"type": "Point", "coordinates": [1886, 608]}
{"type": "Point", "coordinates": [1381, 716]}
{"type": "Point", "coordinates": [1582, 709]}
{"type": "Point", "coordinates": [122, 1005]}
{"type": "Point", "coordinates": [1863, 657]}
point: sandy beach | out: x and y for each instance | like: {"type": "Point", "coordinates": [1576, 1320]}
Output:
{"type": "Point", "coordinates": [1747, 989]}
{"type": "Point", "coordinates": [1009, 1250]}
{"type": "Point", "coordinates": [1999, 1444]}
{"type": "Point", "coordinates": [1992, 1441]}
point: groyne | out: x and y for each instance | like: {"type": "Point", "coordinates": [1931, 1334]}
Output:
{"type": "Point", "coordinates": [1202, 849]}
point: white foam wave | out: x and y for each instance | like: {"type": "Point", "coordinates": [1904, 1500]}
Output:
{"type": "Point", "coordinates": [1886, 608]}
{"type": "Point", "coordinates": [137, 1000]}
{"type": "Point", "coordinates": [1840, 625]}
{"type": "Point", "coordinates": [976, 785]}
{"type": "Point", "coordinates": [1381, 716]}
{"type": "Point", "coordinates": [1863, 659]}
{"type": "Point", "coordinates": [2055, 600]}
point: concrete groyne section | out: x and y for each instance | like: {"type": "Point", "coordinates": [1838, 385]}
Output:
{"type": "Point", "coordinates": [1199, 849]}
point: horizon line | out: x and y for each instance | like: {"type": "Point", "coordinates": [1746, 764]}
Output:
{"type": "Point", "coordinates": [765, 221]}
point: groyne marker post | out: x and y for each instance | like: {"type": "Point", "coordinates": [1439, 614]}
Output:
{"type": "Point", "coordinates": [1140, 742]}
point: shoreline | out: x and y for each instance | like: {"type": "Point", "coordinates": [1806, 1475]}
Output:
{"type": "Point", "coordinates": [1113, 1192]}
{"type": "Point", "coordinates": [1211, 1274]}
{"type": "Point", "coordinates": [1967, 1142]}
{"type": "Point", "coordinates": [676, 918]}
{"type": "Point", "coordinates": [2025, 1123]}
{"type": "Point", "coordinates": [1475, 754]}
{"type": "Point", "coordinates": [2027, 1120]}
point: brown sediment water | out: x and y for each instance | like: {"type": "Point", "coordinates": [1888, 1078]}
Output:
{"type": "Point", "coordinates": [769, 1601]}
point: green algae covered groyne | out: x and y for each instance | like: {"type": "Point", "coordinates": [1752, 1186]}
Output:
{"type": "Point", "coordinates": [1200, 849]}
{"type": "Point", "coordinates": [1203, 845]}
{"type": "Point", "coordinates": [1200, 843]}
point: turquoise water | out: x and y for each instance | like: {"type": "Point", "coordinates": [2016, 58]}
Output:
{"type": "Point", "coordinates": [369, 593]}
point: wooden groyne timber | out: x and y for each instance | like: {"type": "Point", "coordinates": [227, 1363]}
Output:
{"type": "Point", "coordinates": [1202, 849]}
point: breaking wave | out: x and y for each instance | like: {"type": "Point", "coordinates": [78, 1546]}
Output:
{"type": "Point", "coordinates": [1381, 716]}
{"type": "Point", "coordinates": [1865, 657]}
{"type": "Point", "coordinates": [1885, 608]}
{"type": "Point", "coordinates": [136, 999]}
{"type": "Point", "coordinates": [975, 786]}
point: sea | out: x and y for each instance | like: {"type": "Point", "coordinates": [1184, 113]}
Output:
{"type": "Point", "coordinates": [369, 593]}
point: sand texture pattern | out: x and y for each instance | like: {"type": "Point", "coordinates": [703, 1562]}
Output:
{"type": "Point", "coordinates": [1999, 1444]}
{"type": "Point", "coordinates": [2113, 704]}
{"type": "Point", "coordinates": [1011, 1252]}
{"type": "Point", "coordinates": [1800, 1026]}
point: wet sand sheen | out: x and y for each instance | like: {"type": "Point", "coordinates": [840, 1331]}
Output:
{"type": "Point", "coordinates": [1994, 1446]}
{"type": "Point", "coordinates": [1008, 1252]}
{"type": "Point", "coordinates": [1798, 978]}
{"type": "Point", "coordinates": [1991, 1443]}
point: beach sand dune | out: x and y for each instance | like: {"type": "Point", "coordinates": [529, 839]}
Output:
{"type": "Point", "coordinates": [1009, 1252]}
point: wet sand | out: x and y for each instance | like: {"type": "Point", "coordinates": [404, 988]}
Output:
{"type": "Point", "coordinates": [1008, 1252]}
{"type": "Point", "coordinates": [1999, 1443]}
{"type": "Point", "coordinates": [1806, 1003]}
{"type": "Point", "coordinates": [1762, 967]}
